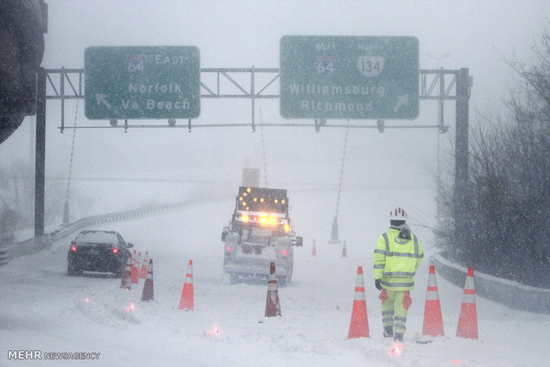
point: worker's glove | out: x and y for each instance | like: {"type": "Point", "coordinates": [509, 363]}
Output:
{"type": "Point", "coordinates": [407, 300]}
{"type": "Point", "coordinates": [405, 232]}
{"type": "Point", "coordinates": [377, 284]}
{"type": "Point", "coordinates": [383, 296]}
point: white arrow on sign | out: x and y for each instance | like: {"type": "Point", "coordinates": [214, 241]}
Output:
{"type": "Point", "coordinates": [401, 100]}
{"type": "Point", "coordinates": [102, 98]}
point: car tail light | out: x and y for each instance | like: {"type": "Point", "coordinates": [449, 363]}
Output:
{"type": "Point", "coordinates": [73, 247]}
{"type": "Point", "coordinates": [115, 250]}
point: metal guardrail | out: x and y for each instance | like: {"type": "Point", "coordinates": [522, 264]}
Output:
{"type": "Point", "coordinates": [4, 255]}
{"type": "Point", "coordinates": [507, 292]}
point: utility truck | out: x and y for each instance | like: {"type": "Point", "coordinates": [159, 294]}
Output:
{"type": "Point", "coordinates": [260, 232]}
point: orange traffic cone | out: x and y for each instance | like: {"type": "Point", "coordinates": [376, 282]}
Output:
{"type": "Point", "coordinates": [127, 277]}
{"type": "Point", "coordinates": [143, 271]}
{"type": "Point", "coordinates": [433, 318]}
{"type": "Point", "coordinates": [344, 251]}
{"type": "Point", "coordinates": [135, 272]}
{"type": "Point", "coordinates": [359, 325]}
{"type": "Point", "coordinates": [467, 321]}
{"type": "Point", "coordinates": [138, 263]}
{"type": "Point", "coordinates": [314, 249]}
{"type": "Point", "coordinates": [187, 300]}
{"type": "Point", "coordinates": [148, 289]}
{"type": "Point", "coordinates": [272, 306]}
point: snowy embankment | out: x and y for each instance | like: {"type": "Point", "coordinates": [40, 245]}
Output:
{"type": "Point", "coordinates": [506, 292]}
{"type": "Point", "coordinates": [44, 309]}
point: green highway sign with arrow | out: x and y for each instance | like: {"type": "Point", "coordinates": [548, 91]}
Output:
{"type": "Point", "coordinates": [149, 82]}
{"type": "Point", "coordinates": [349, 77]}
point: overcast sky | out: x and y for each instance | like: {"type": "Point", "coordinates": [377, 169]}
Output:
{"type": "Point", "coordinates": [471, 34]}
{"type": "Point", "coordinates": [477, 35]}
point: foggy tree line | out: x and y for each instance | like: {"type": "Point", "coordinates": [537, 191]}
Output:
{"type": "Point", "coordinates": [17, 200]}
{"type": "Point", "coordinates": [508, 208]}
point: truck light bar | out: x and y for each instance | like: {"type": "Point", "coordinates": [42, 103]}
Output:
{"type": "Point", "coordinates": [267, 219]}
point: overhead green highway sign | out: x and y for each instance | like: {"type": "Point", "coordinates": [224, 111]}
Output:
{"type": "Point", "coordinates": [345, 77]}
{"type": "Point", "coordinates": [150, 82]}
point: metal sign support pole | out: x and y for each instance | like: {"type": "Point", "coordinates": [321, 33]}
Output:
{"type": "Point", "coordinates": [40, 162]}
{"type": "Point", "coordinates": [462, 194]}
{"type": "Point", "coordinates": [252, 95]}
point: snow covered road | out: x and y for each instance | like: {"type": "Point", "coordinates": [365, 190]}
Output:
{"type": "Point", "coordinates": [41, 308]}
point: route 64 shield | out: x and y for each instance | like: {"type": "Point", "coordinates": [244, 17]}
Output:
{"type": "Point", "coordinates": [370, 66]}
{"type": "Point", "coordinates": [136, 64]}
{"type": "Point", "coordinates": [325, 65]}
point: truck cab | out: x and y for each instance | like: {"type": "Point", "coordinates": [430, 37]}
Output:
{"type": "Point", "coordinates": [259, 233]}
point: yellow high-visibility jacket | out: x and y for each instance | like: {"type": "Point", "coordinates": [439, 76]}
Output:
{"type": "Point", "coordinates": [396, 260]}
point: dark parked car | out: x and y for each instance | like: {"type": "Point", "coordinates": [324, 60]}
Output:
{"type": "Point", "coordinates": [98, 251]}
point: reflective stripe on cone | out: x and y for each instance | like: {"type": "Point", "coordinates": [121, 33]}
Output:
{"type": "Point", "coordinates": [187, 300]}
{"type": "Point", "coordinates": [359, 325]}
{"type": "Point", "coordinates": [126, 281]}
{"type": "Point", "coordinates": [148, 288]}
{"type": "Point", "coordinates": [467, 321]}
{"type": "Point", "coordinates": [433, 317]}
{"type": "Point", "coordinates": [143, 271]}
{"type": "Point", "coordinates": [272, 306]}
{"type": "Point", "coordinates": [135, 279]}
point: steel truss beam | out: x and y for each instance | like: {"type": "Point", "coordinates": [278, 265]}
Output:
{"type": "Point", "coordinates": [247, 83]}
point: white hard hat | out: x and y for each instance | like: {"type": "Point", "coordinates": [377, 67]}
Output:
{"type": "Point", "coordinates": [398, 214]}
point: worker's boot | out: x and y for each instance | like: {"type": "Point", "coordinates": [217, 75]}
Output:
{"type": "Point", "coordinates": [388, 331]}
{"type": "Point", "coordinates": [398, 337]}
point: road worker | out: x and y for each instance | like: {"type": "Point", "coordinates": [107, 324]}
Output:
{"type": "Point", "coordinates": [397, 255]}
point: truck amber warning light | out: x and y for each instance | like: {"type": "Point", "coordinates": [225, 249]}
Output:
{"type": "Point", "coordinates": [264, 219]}
{"type": "Point", "coordinates": [263, 200]}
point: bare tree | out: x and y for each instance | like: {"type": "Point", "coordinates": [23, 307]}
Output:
{"type": "Point", "coordinates": [17, 197]}
{"type": "Point", "coordinates": [509, 214]}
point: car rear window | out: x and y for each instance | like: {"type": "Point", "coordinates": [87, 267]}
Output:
{"type": "Point", "coordinates": [96, 237]}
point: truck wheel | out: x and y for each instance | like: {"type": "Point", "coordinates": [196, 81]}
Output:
{"type": "Point", "coordinates": [289, 276]}
{"type": "Point", "coordinates": [287, 279]}
{"type": "Point", "coordinates": [119, 273]}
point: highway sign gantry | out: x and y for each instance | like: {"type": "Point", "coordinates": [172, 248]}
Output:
{"type": "Point", "coordinates": [142, 82]}
{"type": "Point", "coordinates": [349, 77]}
